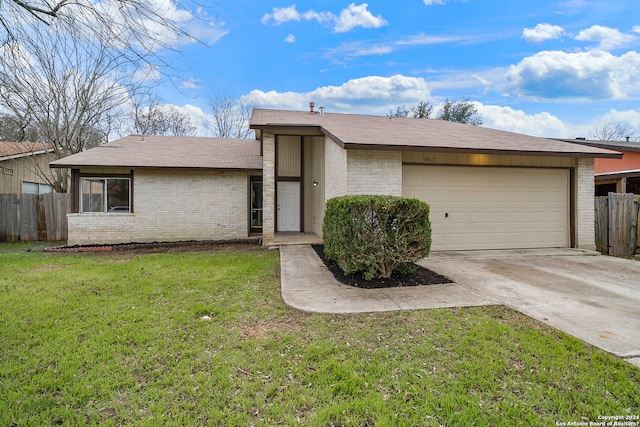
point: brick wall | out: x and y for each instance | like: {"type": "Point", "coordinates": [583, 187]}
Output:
{"type": "Point", "coordinates": [268, 187]}
{"type": "Point", "coordinates": [335, 170]}
{"type": "Point", "coordinates": [172, 206]}
{"type": "Point", "coordinates": [585, 210]}
{"type": "Point", "coordinates": [374, 172]}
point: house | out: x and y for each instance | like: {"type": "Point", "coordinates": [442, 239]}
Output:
{"type": "Point", "coordinates": [616, 175]}
{"type": "Point", "coordinates": [487, 189]}
{"type": "Point", "coordinates": [23, 168]}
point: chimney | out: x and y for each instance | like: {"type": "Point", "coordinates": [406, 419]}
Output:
{"type": "Point", "coordinates": [321, 111]}
{"type": "Point", "coordinates": [311, 105]}
{"type": "Point", "coordinates": [627, 138]}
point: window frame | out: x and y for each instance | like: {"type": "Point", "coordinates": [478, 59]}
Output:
{"type": "Point", "coordinates": [104, 178]}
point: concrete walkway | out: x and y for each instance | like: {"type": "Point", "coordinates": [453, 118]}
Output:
{"type": "Point", "coordinates": [592, 297]}
{"type": "Point", "coordinates": [306, 284]}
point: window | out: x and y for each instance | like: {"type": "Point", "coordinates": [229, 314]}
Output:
{"type": "Point", "coordinates": [105, 195]}
{"type": "Point", "coordinates": [256, 204]}
{"type": "Point", "coordinates": [35, 188]}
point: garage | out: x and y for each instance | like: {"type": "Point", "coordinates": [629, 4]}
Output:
{"type": "Point", "coordinates": [474, 207]}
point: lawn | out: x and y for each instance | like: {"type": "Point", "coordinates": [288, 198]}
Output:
{"type": "Point", "coordinates": [121, 339]}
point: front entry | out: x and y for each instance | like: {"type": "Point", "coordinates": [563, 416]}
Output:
{"type": "Point", "coordinates": [288, 206]}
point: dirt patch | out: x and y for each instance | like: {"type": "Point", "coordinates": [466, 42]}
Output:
{"type": "Point", "coordinates": [263, 329]}
{"type": "Point", "coordinates": [422, 276]}
{"type": "Point", "coordinates": [48, 267]}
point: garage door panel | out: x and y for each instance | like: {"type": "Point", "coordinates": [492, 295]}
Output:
{"type": "Point", "coordinates": [492, 208]}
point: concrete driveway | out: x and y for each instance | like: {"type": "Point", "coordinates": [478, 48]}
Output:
{"type": "Point", "coordinates": [593, 297]}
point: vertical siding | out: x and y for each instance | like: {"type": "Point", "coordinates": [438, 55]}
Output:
{"type": "Point", "coordinates": [288, 152]}
{"type": "Point", "coordinates": [13, 172]}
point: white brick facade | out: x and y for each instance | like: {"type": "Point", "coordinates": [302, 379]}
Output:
{"type": "Point", "coordinates": [585, 211]}
{"type": "Point", "coordinates": [374, 172]}
{"type": "Point", "coordinates": [335, 165]}
{"type": "Point", "coordinates": [172, 206]}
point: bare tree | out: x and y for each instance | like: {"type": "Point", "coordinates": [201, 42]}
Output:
{"type": "Point", "coordinates": [460, 111]}
{"type": "Point", "coordinates": [615, 132]}
{"type": "Point", "coordinates": [230, 117]}
{"type": "Point", "coordinates": [66, 90]}
{"type": "Point", "coordinates": [135, 29]}
{"type": "Point", "coordinates": [150, 117]}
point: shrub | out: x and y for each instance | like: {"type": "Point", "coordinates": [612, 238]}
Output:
{"type": "Point", "coordinates": [376, 235]}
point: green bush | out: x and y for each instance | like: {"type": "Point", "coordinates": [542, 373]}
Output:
{"type": "Point", "coordinates": [376, 235]}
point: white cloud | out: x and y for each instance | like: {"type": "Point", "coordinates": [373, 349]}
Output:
{"type": "Point", "coordinates": [423, 39]}
{"type": "Point", "coordinates": [290, 38]}
{"type": "Point", "coordinates": [191, 84]}
{"type": "Point", "coordinates": [281, 15]}
{"type": "Point", "coordinates": [542, 32]}
{"type": "Point", "coordinates": [432, 2]}
{"type": "Point", "coordinates": [357, 49]}
{"type": "Point", "coordinates": [607, 37]}
{"type": "Point", "coordinates": [350, 18]}
{"type": "Point", "coordinates": [358, 16]}
{"type": "Point", "coordinates": [146, 74]}
{"type": "Point", "coordinates": [636, 29]}
{"type": "Point", "coordinates": [506, 118]}
{"type": "Point", "coordinates": [370, 95]}
{"type": "Point", "coordinates": [594, 74]}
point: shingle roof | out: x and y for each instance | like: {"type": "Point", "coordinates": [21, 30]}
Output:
{"type": "Point", "coordinates": [379, 132]}
{"type": "Point", "coordinates": [613, 145]}
{"type": "Point", "coordinates": [169, 152]}
{"type": "Point", "coordinates": [20, 149]}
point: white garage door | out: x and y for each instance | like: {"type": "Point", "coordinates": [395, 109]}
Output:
{"type": "Point", "coordinates": [492, 208]}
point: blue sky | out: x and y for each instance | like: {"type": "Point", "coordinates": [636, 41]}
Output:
{"type": "Point", "coordinates": [546, 68]}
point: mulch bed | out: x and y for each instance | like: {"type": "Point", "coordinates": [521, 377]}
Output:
{"type": "Point", "coordinates": [162, 247]}
{"type": "Point", "coordinates": [422, 276]}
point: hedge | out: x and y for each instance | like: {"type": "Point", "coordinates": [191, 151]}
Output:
{"type": "Point", "coordinates": [376, 235]}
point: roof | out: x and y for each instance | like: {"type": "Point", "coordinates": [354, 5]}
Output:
{"type": "Point", "coordinates": [146, 151]}
{"type": "Point", "coordinates": [613, 145]}
{"type": "Point", "coordinates": [12, 150]}
{"type": "Point", "coordinates": [394, 133]}
{"type": "Point", "coordinates": [634, 173]}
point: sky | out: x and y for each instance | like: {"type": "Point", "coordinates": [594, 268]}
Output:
{"type": "Point", "coordinates": [545, 68]}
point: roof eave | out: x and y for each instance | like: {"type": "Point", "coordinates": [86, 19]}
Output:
{"type": "Point", "coordinates": [419, 148]}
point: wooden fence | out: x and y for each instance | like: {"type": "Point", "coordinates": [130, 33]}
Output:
{"type": "Point", "coordinates": [34, 217]}
{"type": "Point", "coordinates": [617, 231]}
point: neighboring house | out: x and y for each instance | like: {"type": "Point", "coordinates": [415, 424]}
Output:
{"type": "Point", "coordinates": [616, 175]}
{"type": "Point", "coordinates": [487, 189]}
{"type": "Point", "coordinates": [22, 165]}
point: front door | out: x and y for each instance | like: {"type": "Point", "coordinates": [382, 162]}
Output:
{"type": "Point", "coordinates": [288, 206]}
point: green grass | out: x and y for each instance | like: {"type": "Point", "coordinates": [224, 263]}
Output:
{"type": "Point", "coordinates": [118, 339]}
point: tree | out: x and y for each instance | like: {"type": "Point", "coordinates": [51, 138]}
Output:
{"type": "Point", "coordinates": [67, 68]}
{"type": "Point", "coordinates": [230, 117]}
{"type": "Point", "coordinates": [63, 89]}
{"type": "Point", "coordinates": [135, 29]}
{"type": "Point", "coordinates": [421, 111]}
{"type": "Point", "coordinates": [12, 130]}
{"type": "Point", "coordinates": [615, 132]}
{"type": "Point", "coordinates": [460, 111]}
{"type": "Point", "coordinates": [156, 118]}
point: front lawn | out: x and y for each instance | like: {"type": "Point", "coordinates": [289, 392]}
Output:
{"type": "Point", "coordinates": [122, 339]}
